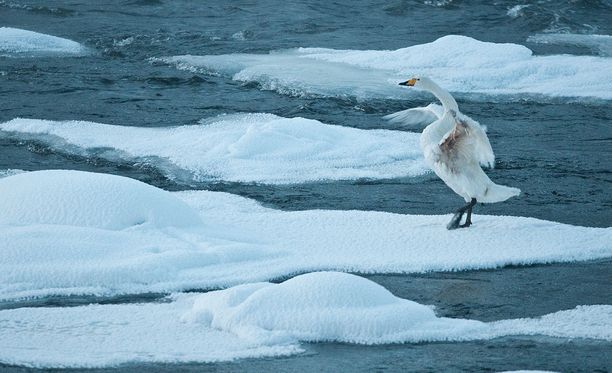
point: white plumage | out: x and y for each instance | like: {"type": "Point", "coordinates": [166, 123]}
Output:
{"type": "Point", "coordinates": [455, 146]}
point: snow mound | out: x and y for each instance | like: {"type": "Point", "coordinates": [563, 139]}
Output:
{"type": "Point", "coordinates": [256, 320]}
{"type": "Point", "coordinates": [16, 42]}
{"type": "Point", "coordinates": [323, 306]}
{"type": "Point", "coordinates": [240, 241]}
{"type": "Point", "coordinates": [260, 148]}
{"type": "Point", "coordinates": [458, 63]}
{"type": "Point", "coordinates": [85, 199]}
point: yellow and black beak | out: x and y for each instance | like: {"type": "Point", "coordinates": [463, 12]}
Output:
{"type": "Point", "coordinates": [409, 83]}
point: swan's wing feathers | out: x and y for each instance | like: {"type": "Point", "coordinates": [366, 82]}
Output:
{"type": "Point", "coordinates": [467, 142]}
{"type": "Point", "coordinates": [478, 141]}
{"type": "Point", "coordinates": [417, 117]}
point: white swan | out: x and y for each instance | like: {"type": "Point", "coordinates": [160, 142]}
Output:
{"type": "Point", "coordinates": [455, 146]}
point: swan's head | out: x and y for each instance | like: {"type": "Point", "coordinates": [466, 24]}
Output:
{"type": "Point", "coordinates": [418, 81]}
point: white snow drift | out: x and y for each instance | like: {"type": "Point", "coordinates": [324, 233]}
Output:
{"type": "Point", "coordinates": [261, 148]}
{"type": "Point", "coordinates": [87, 250]}
{"type": "Point", "coordinates": [460, 64]}
{"type": "Point", "coordinates": [124, 203]}
{"type": "Point", "coordinates": [15, 42]}
{"type": "Point", "coordinates": [256, 320]}
{"type": "Point", "coordinates": [324, 306]}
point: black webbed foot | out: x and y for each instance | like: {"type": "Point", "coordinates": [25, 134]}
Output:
{"type": "Point", "coordinates": [466, 224]}
{"type": "Point", "coordinates": [454, 222]}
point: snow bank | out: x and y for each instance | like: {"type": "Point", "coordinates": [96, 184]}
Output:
{"type": "Point", "coordinates": [261, 148]}
{"type": "Point", "coordinates": [83, 199]}
{"type": "Point", "coordinates": [458, 63]}
{"type": "Point", "coordinates": [602, 44]}
{"type": "Point", "coordinates": [239, 241]}
{"type": "Point", "coordinates": [17, 43]}
{"type": "Point", "coordinates": [324, 306]}
{"type": "Point", "coordinates": [256, 320]}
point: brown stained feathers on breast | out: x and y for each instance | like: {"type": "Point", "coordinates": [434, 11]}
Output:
{"type": "Point", "coordinates": [452, 139]}
{"type": "Point", "coordinates": [449, 146]}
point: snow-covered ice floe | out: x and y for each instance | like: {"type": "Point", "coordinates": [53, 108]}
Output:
{"type": "Point", "coordinates": [16, 42]}
{"type": "Point", "coordinates": [459, 63]}
{"type": "Point", "coordinates": [260, 148]}
{"type": "Point", "coordinates": [71, 232]}
{"type": "Point", "coordinates": [602, 44]}
{"type": "Point", "coordinates": [257, 320]}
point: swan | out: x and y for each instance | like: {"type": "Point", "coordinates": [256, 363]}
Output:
{"type": "Point", "coordinates": [455, 146]}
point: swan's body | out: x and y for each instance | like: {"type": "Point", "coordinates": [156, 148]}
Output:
{"type": "Point", "coordinates": [455, 146]}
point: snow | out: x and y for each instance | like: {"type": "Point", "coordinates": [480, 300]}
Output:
{"type": "Point", "coordinates": [19, 43]}
{"type": "Point", "coordinates": [109, 335]}
{"type": "Point", "coordinates": [602, 44]}
{"type": "Point", "coordinates": [74, 198]}
{"type": "Point", "coordinates": [576, 323]}
{"type": "Point", "coordinates": [256, 320]}
{"type": "Point", "coordinates": [324, 306]}
{"type": "Point", "coordinates": [260, 148]}
{"type": "Point", "coordinates": [460, 64]}
{"type": "Point", "coordinates": [238, 241]}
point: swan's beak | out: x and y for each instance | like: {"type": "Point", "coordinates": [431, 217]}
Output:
{"type": "Point", "coordinates": [409, 83]}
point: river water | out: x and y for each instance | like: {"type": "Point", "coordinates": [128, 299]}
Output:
{"type": "Point", "coordinates": [557, 151]}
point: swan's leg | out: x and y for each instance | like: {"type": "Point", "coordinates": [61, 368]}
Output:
{"type": "Point", "coordinates": [468, 219]}
{"type": "Point", "coordinates": [454, 223]}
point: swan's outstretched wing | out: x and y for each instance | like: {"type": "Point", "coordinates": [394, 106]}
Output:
{"type": "Point", "coordinates": [417, 117]}
{"type": "Point", "coordinates": [467, 142]}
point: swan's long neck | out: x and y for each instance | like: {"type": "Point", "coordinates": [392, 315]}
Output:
{"type": "Point", "coordinates": [436, 131]}
{"type": "Point", "coordinates": [448, 102]}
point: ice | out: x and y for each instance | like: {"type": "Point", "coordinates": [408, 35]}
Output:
{"type": "Point", "coordinates": [74, 198]}
{"type": "Point", "coordinates": [324, 306]}
{"type": "Point", "coordinates": [20, 43]}
{"type": "Point", "coordinates": [601, 44]}
{"type": "Point", "coordinates": [238, 241]}
{"type": "Point", "coordinates": [259, 148]}
{"type": "Point", "coordinates": [257, 320]}
{"type": "Point", "coordinates": [110, 335]}
{"type": "Point", "coordinates": [460, 64]}
{"type": "Point", "coordinates": [581, 322]}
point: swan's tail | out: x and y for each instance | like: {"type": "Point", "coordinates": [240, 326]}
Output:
{"type": "Point", "coordinates": [498, 193]}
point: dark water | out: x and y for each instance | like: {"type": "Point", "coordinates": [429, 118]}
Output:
{"type": "Point", "coordinates": [559, 152]}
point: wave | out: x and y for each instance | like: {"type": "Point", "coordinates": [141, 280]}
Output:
{"type": "Point", "coordinates": [10, 172]}
{"type": "Point", "coordinates": [251, 148]}
{"type": "Point", "coordinates": [461, 64]}
{"type": "Point", "coordinates": [23, 43]}
{"type": "Point", "coordinates": [52, 11]}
